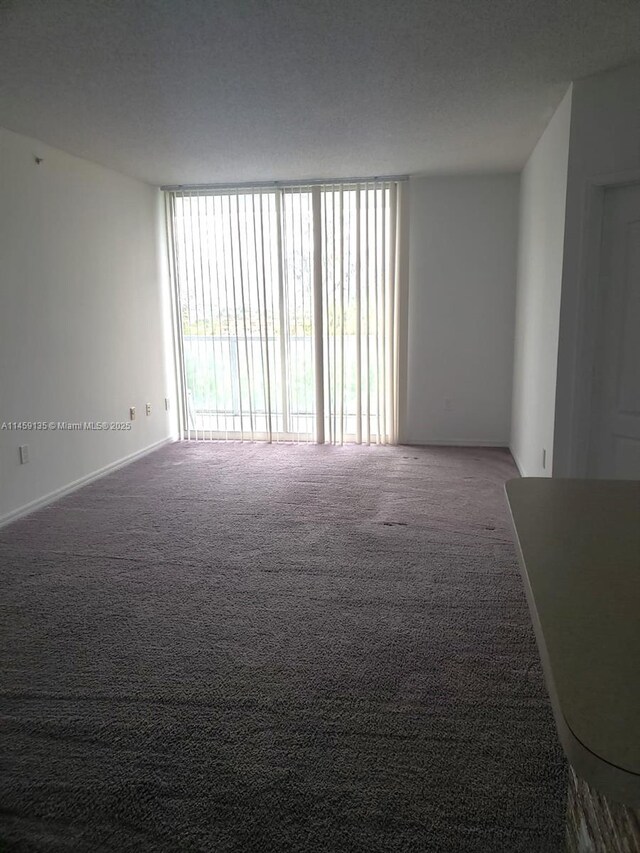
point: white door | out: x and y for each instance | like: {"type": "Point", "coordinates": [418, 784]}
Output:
{"type": "Point", "coordinates": [614, 447]}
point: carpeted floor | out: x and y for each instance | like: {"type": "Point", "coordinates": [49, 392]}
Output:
{"type": "Point", "coordinates": [228, 647]}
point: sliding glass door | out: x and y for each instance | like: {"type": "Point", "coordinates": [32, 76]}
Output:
{"type": "Point", "coordinates": [287, 311]}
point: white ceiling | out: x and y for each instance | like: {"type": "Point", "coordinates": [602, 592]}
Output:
{"type": "Point", "coordinates": [188, 91]}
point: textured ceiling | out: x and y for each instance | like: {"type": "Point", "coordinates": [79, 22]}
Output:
{"type": "Point", "coordinates": [186, 91]}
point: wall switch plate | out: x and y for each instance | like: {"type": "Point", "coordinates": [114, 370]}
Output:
{"type": "Point", "coordinates": [166, 404]}
{"type": "Point", "coordinates": [148, 408]}
{"type": "Point", "coordinates": [24, 453]}
{"type": "Point", "coordinates": [544, 457]}
{"type": "Point", "coordinates": [132, 413]}
{"type": "Point", "coordinates": [447, 405]}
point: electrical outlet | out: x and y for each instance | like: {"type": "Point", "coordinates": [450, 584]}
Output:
{"type": "Point", "coordinates": [148, 408]}
{"type": "Point", "coordinates": [166, 404]}
{"type": "Point", "coordinates": [544, 457]}
{"type": "Point", "coordinates": [24, 453]}
{"type": "Point", "coordinates": [447, 405]}
{"type": "Point", "coordinates": [132, 413]}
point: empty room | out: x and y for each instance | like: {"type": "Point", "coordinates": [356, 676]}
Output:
{"type": "Point", "coordinates": [319, 426]}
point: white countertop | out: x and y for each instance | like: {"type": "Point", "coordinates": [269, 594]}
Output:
{"type": "Point", "coordinates": [579, 548]}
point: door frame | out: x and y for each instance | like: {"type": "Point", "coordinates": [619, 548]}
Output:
{"type": "Point", "coordinates": [589, 297]}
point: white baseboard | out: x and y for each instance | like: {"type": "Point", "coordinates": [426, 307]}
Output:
{"type": "Point", "coordinates": [518, 465]}
{"type": "Point", "coordinates": [455, 443]}
{"type": "Point", "coordinates": [32, 506]}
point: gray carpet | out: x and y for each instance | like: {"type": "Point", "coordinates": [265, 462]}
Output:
{"type": "Point", "coordinates": [273, 649]}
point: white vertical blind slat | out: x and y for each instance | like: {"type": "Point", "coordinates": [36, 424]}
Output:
{"type": "Point", "coordinates": [358, 317]}
{"type": "Point", "coordinates": [265, 316]}
{"type": "Point", "coordinates": [318, 336]}
{"type": "Point", "coordinates": [391, 321]}
{"type": "Point", "coordinates": [343, 286]}
{"type": "Point", "coordinates": [189, 279]}
{"type": "Point", "coordinates": [282, 315]}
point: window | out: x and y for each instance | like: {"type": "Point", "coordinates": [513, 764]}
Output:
{"type": "Point", "coordinates": [287, 310]}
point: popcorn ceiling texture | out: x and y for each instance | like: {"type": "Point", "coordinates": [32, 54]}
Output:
{"type": "Point", "coordinates": [183, 91]}
{"type": "Point", "coordinates": [268, 649]}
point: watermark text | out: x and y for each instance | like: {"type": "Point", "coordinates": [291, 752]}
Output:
{"type": "Point", "coordinates": [66, 426]}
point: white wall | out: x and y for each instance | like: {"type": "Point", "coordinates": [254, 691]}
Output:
{"type": "Point", "coordinates": [81, 327]}
{"type": "Point", "coordinates": [543, 187]}
{"type": "Point", "coordinates": [605, 147]}
{"type": "Point", "coordinates": [462, 269]}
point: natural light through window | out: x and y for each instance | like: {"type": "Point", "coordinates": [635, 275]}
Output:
{"type": "Point", "coordinates": [287, 303]}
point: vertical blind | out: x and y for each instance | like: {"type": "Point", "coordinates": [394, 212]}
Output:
{"type": "Point", "coordinates": [287, 305]}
